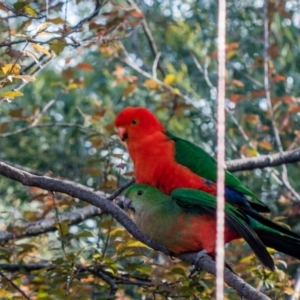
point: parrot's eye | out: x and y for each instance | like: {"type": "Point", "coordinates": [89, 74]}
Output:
{"type": "Point", "coordinates": [140, 192]}
{"type": "Point", "coordinates": [134, 121]}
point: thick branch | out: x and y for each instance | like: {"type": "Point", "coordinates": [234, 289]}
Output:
{"type": "Point", "coordinates": [104, 204]}
{"type": "Point", "coordinates": [82, 214]}
{"type": "Point", "coordinates": [263, 161]}
{"type": "Point", "coordinates": [48, 224]}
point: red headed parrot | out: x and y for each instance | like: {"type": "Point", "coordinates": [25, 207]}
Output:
{"type": "Point", "coordinates": [167, 162]}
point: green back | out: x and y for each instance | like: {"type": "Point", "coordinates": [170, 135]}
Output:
{"type": "Point", "coordinates": [201, 163]}
{"type": "Point", "coordinates": [157, 214]}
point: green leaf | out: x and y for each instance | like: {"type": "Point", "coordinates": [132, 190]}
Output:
{"type": "Point", "coordinates": [24, 7]}
{"type": "Point", "coordinates": [57, 46]}
{"type": "Point", "coordinates": [84, 233]}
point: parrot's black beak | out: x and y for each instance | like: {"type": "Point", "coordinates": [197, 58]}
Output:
{"type": "Point", "coordinates": [127, 204]}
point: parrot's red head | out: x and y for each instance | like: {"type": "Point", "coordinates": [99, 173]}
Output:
{"type": "Point", "coordinates": [132, 123]}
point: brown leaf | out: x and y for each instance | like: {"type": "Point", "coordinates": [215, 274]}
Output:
{"type": "Point", "coordinates": [237, 98]}
{"type": "Point", "coordinates": [265, 145]}
{"type": "Point", "coordinates": [99, 114]}
{"type": "Point", "coordinates": [68, 73]}
{"type": "Point", "coordinates": [3, 127]}
{"type": "Point", "coordinates": [294, 108]}
{"type": "Point", "coordinates": [288, 99]}
{"type": "Point", "coordinates": [85, 66]}
{"type": "Point", "coordinates": [232, 46]}
{"type": "Point", "coordinates": [253, 119]}
{"type": "Point", "coordinates": [137, 14]}
{"type": "Point", "coordinates": [278, 77]}
{"type": "Point", "coordinates": [258, 94]}
{"type": "Point", "coordinates": [274, 50]}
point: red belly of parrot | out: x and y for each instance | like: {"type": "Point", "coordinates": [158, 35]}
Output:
{"type": "Point", "coordinates": [195, 233]}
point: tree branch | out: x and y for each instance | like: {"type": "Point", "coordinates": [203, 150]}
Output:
{"type": "Point", "coordinates": [48, 224]}
{"type": "Point", "coordinates": [104, 204]}
{"type": "Point", "coordinates": [99, 4]}
{"type": "Point", "coordinates": [14, 285]}
{"type": "Point", "coordinates": [81, 214]}
{"type": "Point", "coordinates": [54, 124]}
{"type": "Point", "coordinates": [263, 161]}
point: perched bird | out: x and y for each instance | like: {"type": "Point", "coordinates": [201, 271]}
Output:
{"type": "Point", "coordinates": [185, 221]}
{"type": "Point", "coordinates": [167, 162]}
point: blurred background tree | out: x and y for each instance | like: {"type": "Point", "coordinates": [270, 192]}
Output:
{"type": "Point", "coordinates": [68, 67]}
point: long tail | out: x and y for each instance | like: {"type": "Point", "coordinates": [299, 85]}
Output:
{"type": "Point", "coordinates": [275, 236]}
{"type": "Point", "coordinates": [281, 242]}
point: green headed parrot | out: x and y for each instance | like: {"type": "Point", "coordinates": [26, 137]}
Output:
{"type": "Point", "coordinates": [185, 221]}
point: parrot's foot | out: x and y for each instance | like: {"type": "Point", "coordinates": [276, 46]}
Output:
{"type": "Point", "coordinates": [171, 254]}
{"type": "Point", "coordinates": [195, 268]}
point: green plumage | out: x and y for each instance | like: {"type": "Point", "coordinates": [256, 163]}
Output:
{"type": "Point", "coordinates": [168, 220]}
{"type": "Point", "coordinates": [201, 163]}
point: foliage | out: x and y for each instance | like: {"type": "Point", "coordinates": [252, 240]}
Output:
{"type": "Point", "coordinates": [66, 70]}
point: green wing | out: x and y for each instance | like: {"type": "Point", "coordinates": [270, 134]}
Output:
{"type": "Point", "coordinates": [197, 202]}
{"type": "Point", "coordinates": [201, 163]}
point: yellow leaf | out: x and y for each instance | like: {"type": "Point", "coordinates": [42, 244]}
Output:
{"type": "Point", "coordinates": [57, 20]}
{"type": "Point", "coordinates": [169, 79]}
{"type": "Point", "coordinates": [231, 54]}
{"type": "Point", "coordinates": [152, 84]}
{"type": "Point", "coordinates": [5, 293]}
{"type": "Point", "coordinates": [41, 49]}
{"type": "Point", "coordinates": [72, 86]}
{"type": "Point", "coordinates": [42, 27]}
{"type": "Point", "coordinates": [136, 244]}
{"type": "Point", "coordinates": [129, 90]}
{"type": "Point", "coordinates": [176, 91]}
{"type": "Point", "coordinates": [11, 69]}
{"type": "Point", "coordinates": [289, 290]}
{"type": "Point", "coordinates": [131, 244]}
{"type": "Point", "coordinates": [11, 94]}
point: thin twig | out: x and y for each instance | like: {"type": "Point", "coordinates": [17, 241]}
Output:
{"type": "Point", "coordinates": [284, 173]}
{"type": "Point", "coordinates": [153, 47]}
{"type": "Point", "coordinates": [14, 285]}
{"type": "Point", "coordinates": [107, 279]}
{"type": "Point", "coordinates": [42, 125]}
{"type": "Point", "coordinates": [98, 6]}
{"type": "Point", "coordinates": [61, 231]}
{"type": "Point", "coordinates": [45, 108]}
{"type": "Point", "coordinates": [121, 189]}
